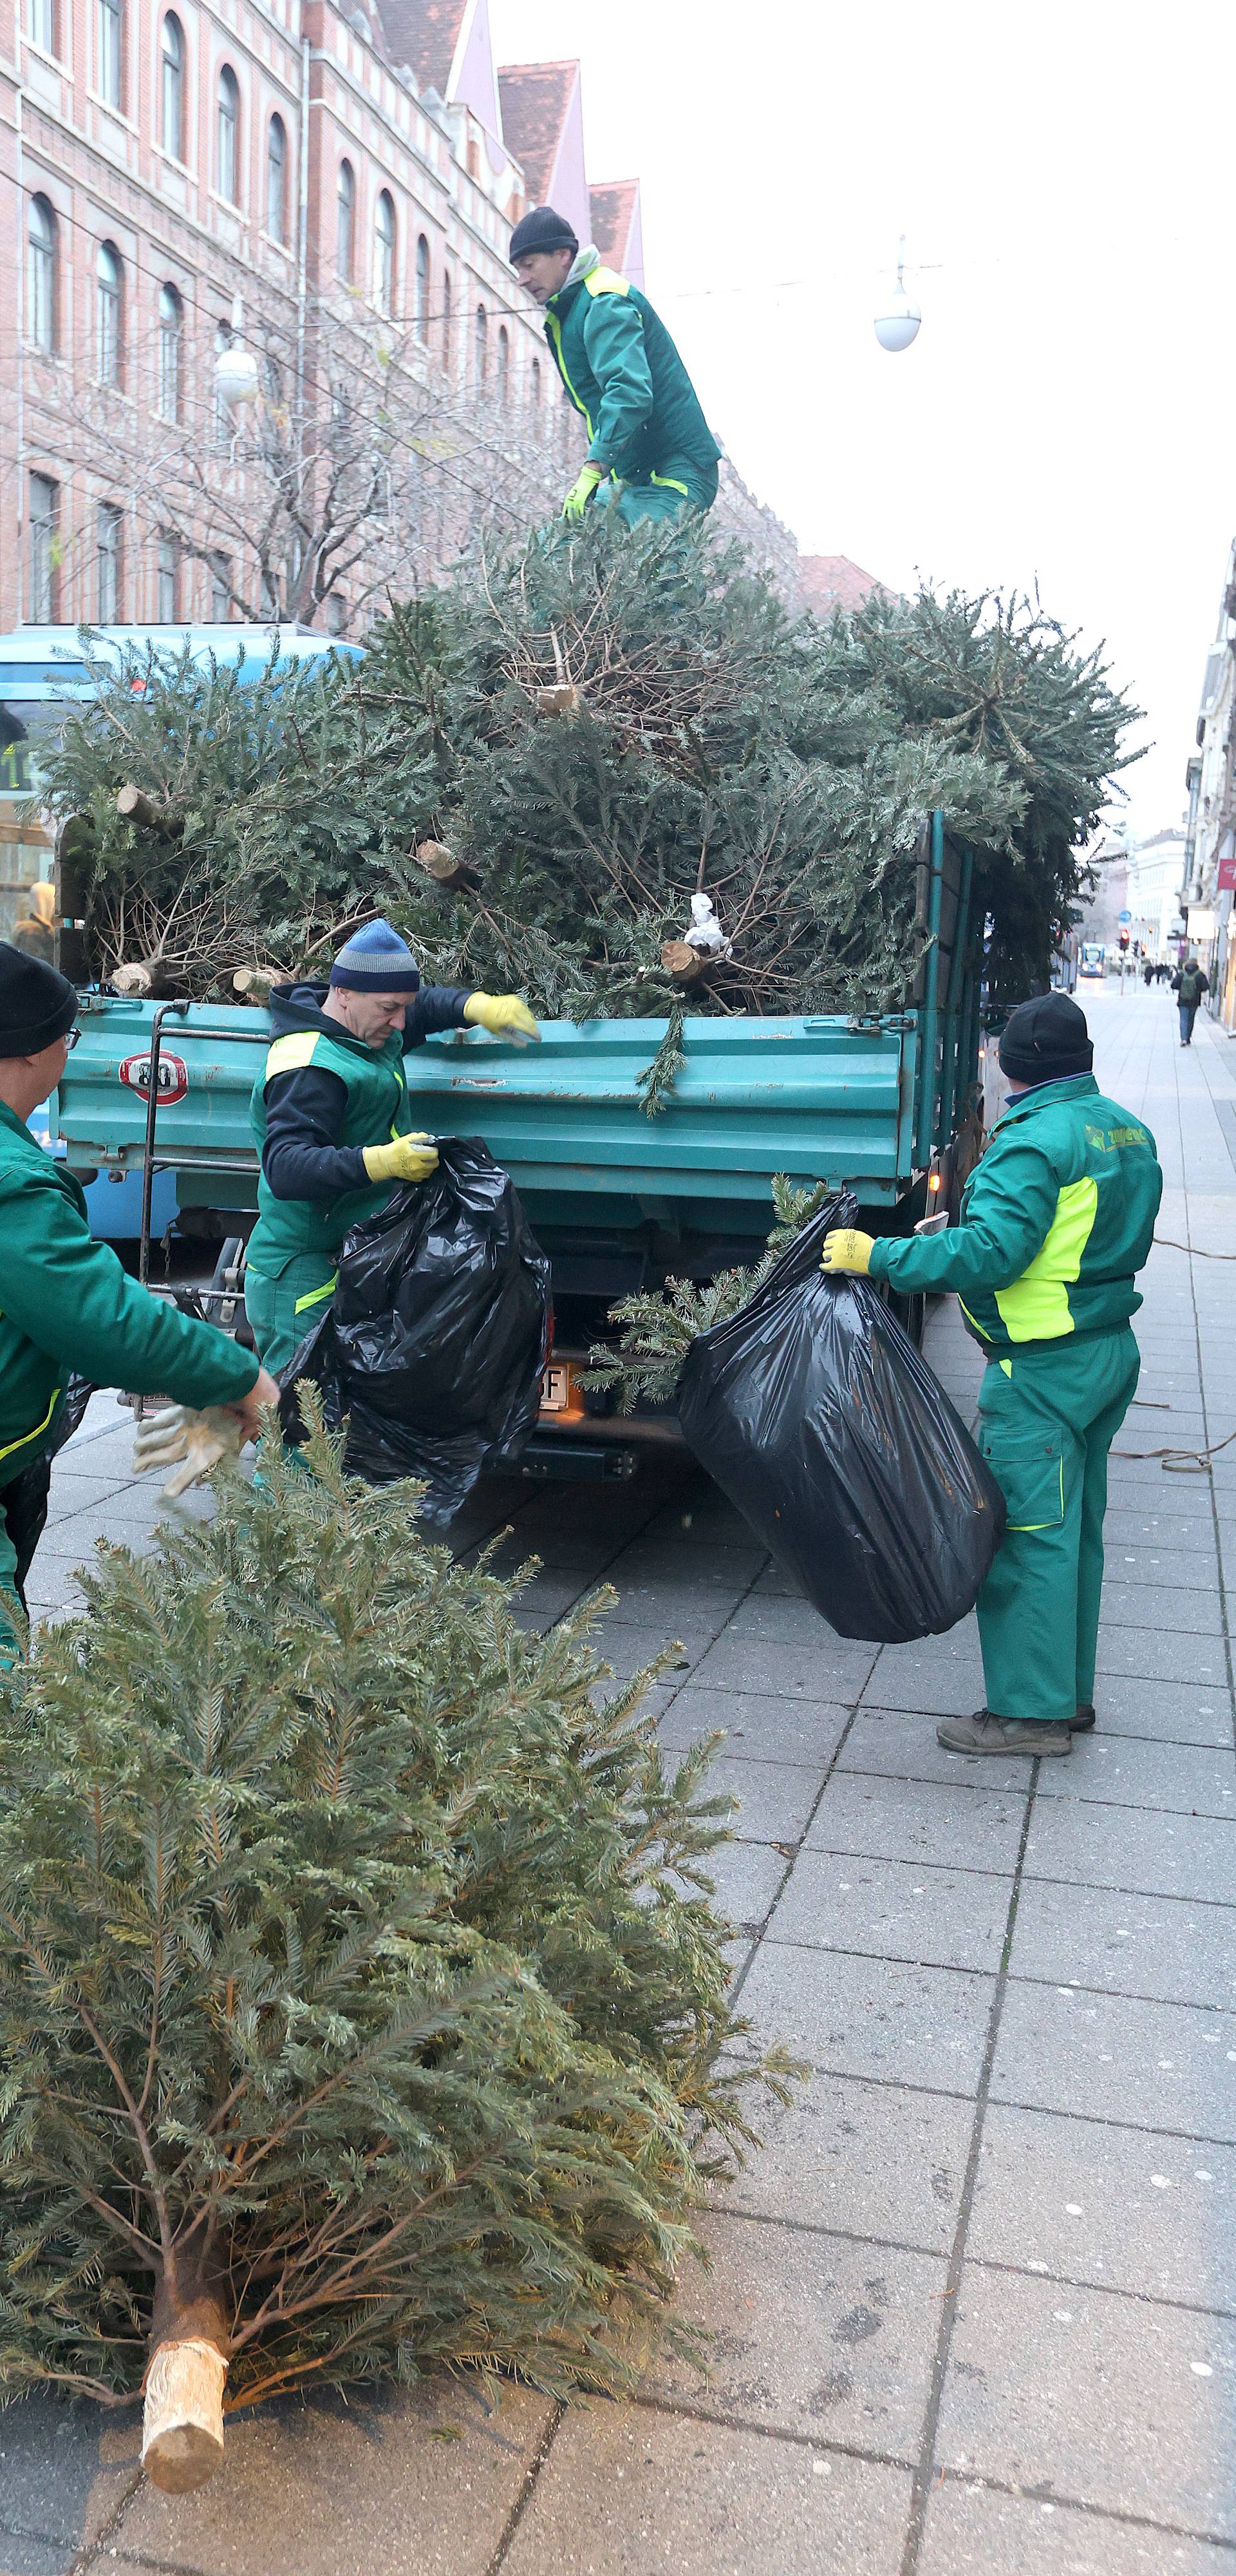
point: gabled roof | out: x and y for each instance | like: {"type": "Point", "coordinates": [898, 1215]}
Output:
{"type": "Point", "coordinates": [536, 102]}
{"type": "Point", "coordinates": [826, 582]}
{"type": "Point", "coordinates": [425, 33]}
{"type": "Point", "coordinates": [615, 211]}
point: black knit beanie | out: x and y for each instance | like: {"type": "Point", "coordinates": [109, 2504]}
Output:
{"type": "Point", "coordinates": [541, 229]}
{"type": "Point", "coordinates": [37, 1004]}
{"type": "Point", "coordinates": [1046, 1040]}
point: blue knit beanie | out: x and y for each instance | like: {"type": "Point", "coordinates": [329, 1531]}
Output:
{"type": "Point", "coordinates": [376, 960]}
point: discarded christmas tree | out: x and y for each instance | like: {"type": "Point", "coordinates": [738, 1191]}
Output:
{"type": "Point", "coordinates": [357, 2014]}
{"type": "Point", "coordinates": [536, 768]}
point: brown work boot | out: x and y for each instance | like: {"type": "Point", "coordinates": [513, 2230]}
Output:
{"type": "Point", "coordinates": [1082, 1718]}
{"type": "Point", "coordinates": [985, 1733]}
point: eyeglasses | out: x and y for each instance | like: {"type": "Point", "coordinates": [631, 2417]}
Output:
{"type": "Point", "coordinates": [71, 1037]}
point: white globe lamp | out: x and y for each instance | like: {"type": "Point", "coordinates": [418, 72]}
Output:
{"type": "Point", "coordinates": [897, 321]}
{"type": "Point", "coordinates": [237, 379]}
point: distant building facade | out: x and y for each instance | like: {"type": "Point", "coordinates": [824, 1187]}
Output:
{"type": "Point", "coordinates": [828, 582]}
{"type": "Point", "coordinates": [1210, 887]}
{"type": "Point", "coordinates": [351, 173]}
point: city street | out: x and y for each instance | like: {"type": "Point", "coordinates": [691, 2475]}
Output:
{"type": "Point", "coordinates": [972, 2303]}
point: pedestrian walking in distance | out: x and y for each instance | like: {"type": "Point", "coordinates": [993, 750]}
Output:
{"type": "Point", "coordinates": [1056, 1221]}
{"type": "Point", "coordinates": [622, 372]}
{"type": "Point", "coordinates": [1188, 984]}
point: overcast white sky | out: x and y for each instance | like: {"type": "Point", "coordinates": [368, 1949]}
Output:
{"type": "Point", "coordinates": [1063, 174]}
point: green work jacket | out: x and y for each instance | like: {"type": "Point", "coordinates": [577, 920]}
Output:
{"type": "Point", "coordinates": [1056, 1220]}
{"type": "Point", "coordinates": [623, 372]}
{"type": "Point", "coordinates": [65, 1304]}
{"type": "Point", "coordinates": [376, 1109]}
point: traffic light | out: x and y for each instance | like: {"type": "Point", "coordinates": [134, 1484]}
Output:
{"type": "Point", "coordinates": [1124, 938]}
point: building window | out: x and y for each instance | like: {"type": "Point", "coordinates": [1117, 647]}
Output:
{"type": "Point", "coordinates": [536, 380]}
{"type": "Point", "coordinates": [276, 179]}
{"type": "Point", "coordinates": [227, 121]}
{"type": "Point", "coordinates": [43, 261]}
{"type": "Point", "coordinates": [110, 315]}
{"type": "Point", "coordinates": [107, 559]}
{"type": "Point", "coordinates": [345, 221]}
{"type": "Point", "coordinates": [504, 363]}
{"type": "Point", "coordinates": [168, 599]}
{"type": "Point", "coordinates": [43, 25]}
{"type": "Point", "coordinates": [221, 588]}
{"type": "Point", "coordinates": [384, 253]}
{"type": "Point", "coordinates": [482, 348]}
{"type": "Point", "coordinates": [474, 157]}
{"type": "Point", "coordinates": [448, 315]}
{"type": "Point", "coordinates": [44, 550]}
{"type": "Point", "coordinates": [224, 425]}
{"type": "Point", "coordinates": [420, 296]}
{"type": "Point", "coordinates": [336, 613]}
{"type": "Point", "coordinates": [171, 327]}
{"type": "Point", "coordinates": [172, 94]}
{"type": "Point", "coordinates": [111, 60]}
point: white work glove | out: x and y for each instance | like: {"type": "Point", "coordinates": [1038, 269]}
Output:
{"type": "Point", "coordinates": [198, 1440]}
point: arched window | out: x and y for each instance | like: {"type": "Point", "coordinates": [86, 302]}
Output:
{"type": "Point", "coordinates": [504, 363]}
{"type": "Point", "coordinates": [448, 315]}
{"type": "Point", "coordinates": [481, 351]}
{"type": "Point", "coordinates": [43, 25]}
{"type": "Point", "coordinates": [43, 262]}
{"type": "Point", "coordinates": [172, 88]}
{"type": "Point", "coordinates": [171, 327]}
{"type": "Point", "coordinates": [345, 220]}
{"type": "Point", "coordinates": [536, 380]}
{"type": "Point", "coordinates": [111, 53]}
{"type": "Point", "coordinates": [420, 300]}
{"type": "Point", "coordinates": [109, 314]}
{"type": "Point", "coordinates": [384, 252]}
{"type": "Point", "coordinates": [276, 179]}
{"type": "Point", "coordinates": [227, 123]}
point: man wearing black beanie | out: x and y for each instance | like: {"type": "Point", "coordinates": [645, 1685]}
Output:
{"type": "Point", "coordinates": [622, 372]}
{"type": "Point", "coordinates": [1056, 1221]}
{"type": "Point", "coordinates": [65, 1303]}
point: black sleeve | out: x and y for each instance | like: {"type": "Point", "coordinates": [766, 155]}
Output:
{"type": "Point", "coordinates": [434, 1007]}
{"type": "Point", "coordinates": [300, 1158]}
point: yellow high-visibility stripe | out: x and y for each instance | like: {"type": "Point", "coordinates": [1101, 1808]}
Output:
{"type": "Point", "coordinates": [291, 1055]}
{"type": "Point", "coordinates": [316, 1295]}
{"type": "Point", "coordinates": [670, 484]}
{"type": "Point", "coordinates": [554, 328]}
{"type": "Point", "coordinates": [1036, 1307]}
{"type": "Point", "coordinates": [26, 1436]}
{"type": "Point", "coordinates": [606, 281]}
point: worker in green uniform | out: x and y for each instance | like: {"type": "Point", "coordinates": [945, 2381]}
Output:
{"type": "Point", "coordinates": [622, 371]}
{"type": "Point", "coordinates": [66, 1305]}
{"type": "Point", "coordinates": [331, 1119]}
{"type": "Point", "coordinates": [1056, 1220]}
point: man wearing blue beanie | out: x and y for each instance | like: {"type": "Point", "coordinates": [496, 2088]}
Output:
{"type": "Point", "coordinates": [331, 1119]}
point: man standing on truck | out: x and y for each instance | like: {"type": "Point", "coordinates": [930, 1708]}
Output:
{"type": "Point", "coordinates": [65, 1303]}
{"type": "Point", "coordinates": [622, 372]}
{"type": "Point", "coordinates": [1056, 1220]}
{"type": "Point", "coordinates": [331, 1119]}
{"type": "Point", "coordinates": [1188, 984]}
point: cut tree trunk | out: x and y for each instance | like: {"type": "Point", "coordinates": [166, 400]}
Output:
{"type": "Point", "coordinates": [182, 2429]}
{"type": "Point", "coordinates": [134, 806]}
{"type": "Point", "coordinates": [685, 964]}
{"type": "Point", "coordinates": [442, 865]}
{"type": "Point", "coordinates": [564, 700]}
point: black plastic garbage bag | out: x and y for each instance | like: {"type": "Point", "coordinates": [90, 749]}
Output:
{"type": "Point", "coordinates": [830, 1434]}
{"type": "Point", "coordinates": [435, 1341]}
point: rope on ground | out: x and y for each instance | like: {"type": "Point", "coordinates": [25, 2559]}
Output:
{"type": "Point", "coordinates": [1181, 1462]}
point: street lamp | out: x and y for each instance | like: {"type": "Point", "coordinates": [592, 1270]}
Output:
{"type": "Point", "coordinates": [236, 368]}
{"type": "Point", "coordinates": [897, 322]}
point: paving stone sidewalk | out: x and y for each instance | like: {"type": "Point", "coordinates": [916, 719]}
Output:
{"type": "Point", "coordinates": [974, 2302]}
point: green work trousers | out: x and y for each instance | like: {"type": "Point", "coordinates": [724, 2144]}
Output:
{"type": "Point", "coordinates": [281, 1311]}
{"type": "Point", "coordinates": [23, 1515]}
{"type": "Point", "coordinates": [1048, 1416]}
{"type": "Point", "coordinates": [679, 486]}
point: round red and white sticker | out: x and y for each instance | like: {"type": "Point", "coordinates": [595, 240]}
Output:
{"type": "Point", "coordinates": [173, 1077]}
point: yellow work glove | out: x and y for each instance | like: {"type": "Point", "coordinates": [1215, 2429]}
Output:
{"type": "Point", "coordinates": [847, 1250]}
{"type": "Point", "coordinates": [406, 1158]}
{"type": "Point", "coordinates": [503, 1014]}
{"type": "Point", "coordinates": [581, 493]}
